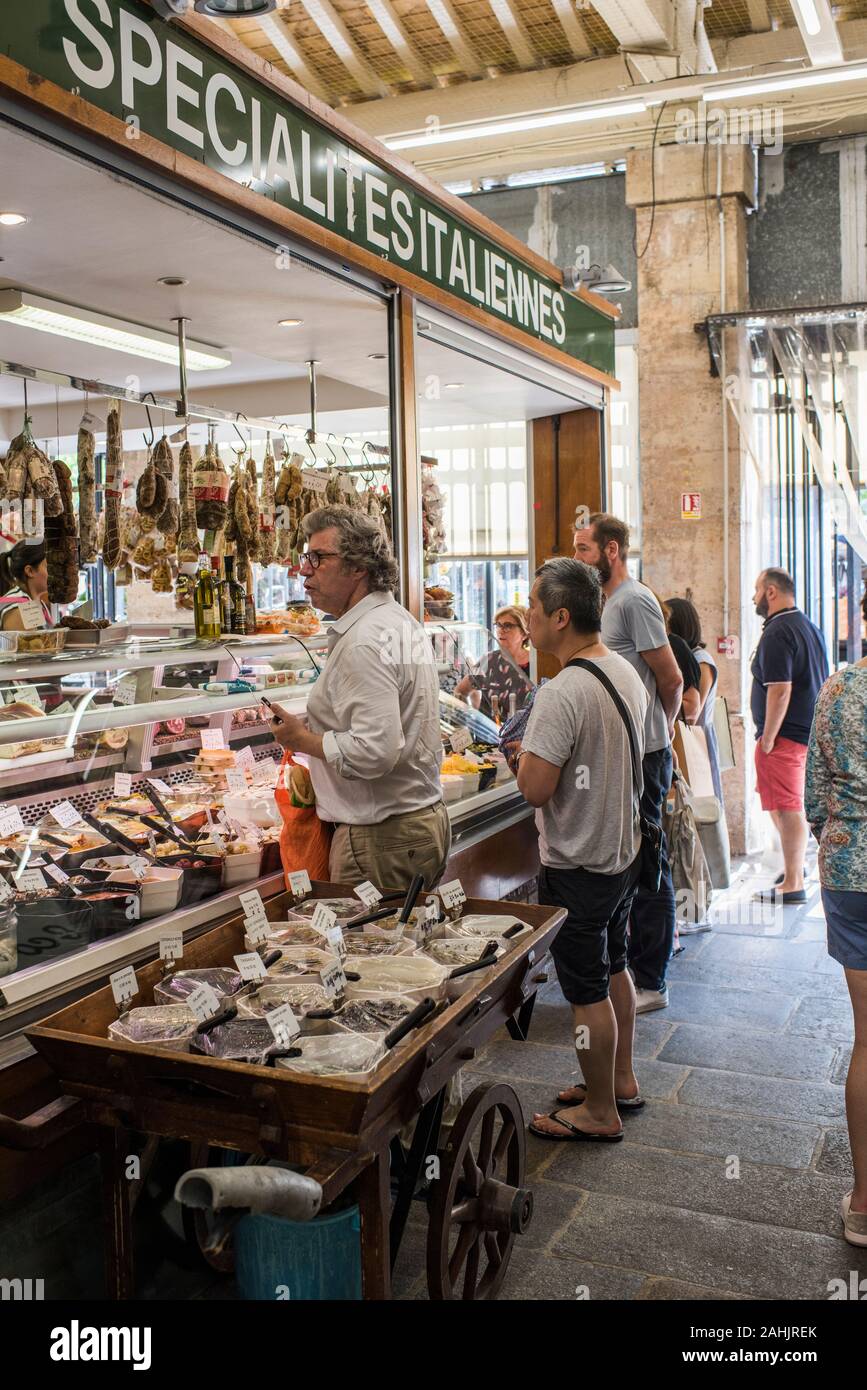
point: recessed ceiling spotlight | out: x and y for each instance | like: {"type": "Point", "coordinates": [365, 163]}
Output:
{"type": "Point", "coordinates": [12, 219]}
{"type": "Point", "coordinates": [173, 281]}
{"type": "Point", "coordinates": [454, 386]}
{"type": "Point", "coordinates": [377, 356]}
{"type": "Point", "coordinates": [234, 9]}
{"type": "Point", "coordinates": [289, 323]}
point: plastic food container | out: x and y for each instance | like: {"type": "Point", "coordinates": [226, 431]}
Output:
{"type": "Point", "coordinates": [372, 943]}
{"type": "Point", "coordinates": [42, 642]}
{"type": "Point", "coordinates": [253, 808]}
{"type": "Point", "coordinates": [299, 961]}
{"type": "Point", "coordinates": [289, 934]}
{"type": "Point", "coordinates": [239, 1040]}
{"type": "Point", "coordinates": [171, 1029]}
{"type": "Point", "coordinates": [337, 1054]}
{"type": "Point", "coordinates": [240, 868]}
{"type": "Point", "coordinates": [160, 888]}
{"type": "Point", "coordinates": [344, 908]}
{"type": "Point", "coordinates": [416, 976]}
{"type": "Point", "coordinates": [486, 924]}
{"type": "Point", "coordinates": [375, 1013]}
{"type": "Point", "coordinates": [460, 950]}
{"type": "Point", "coordinates": [180, 986]}
{"type": "Point", "coordinates": [454, 786]}
{"type": "Point", "coordinates": [301, 995]}
{"type": "Point", "coordinates": [199, 882]}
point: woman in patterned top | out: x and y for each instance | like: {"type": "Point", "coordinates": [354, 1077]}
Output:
{"type": "Point", "coordinates": [504, 671]}
{"type": "Point", "coordinates": [835, 801]}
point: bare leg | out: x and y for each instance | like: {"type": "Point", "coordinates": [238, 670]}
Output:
{"type": "Point", "coordinates": [792, 826]}
{"type": "Point", "coordinates": [856, 1088]}
{"type": "Point", "coordinates": [598, 1114]}
{"type": "Point", "coordinates": [622, 992]}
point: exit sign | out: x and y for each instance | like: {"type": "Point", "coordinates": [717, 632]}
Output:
{"type": "Point", "coordinates": [690, 506]}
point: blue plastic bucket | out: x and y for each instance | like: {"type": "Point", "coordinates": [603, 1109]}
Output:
{"type": "Point", "coordinates": [299, 1260]}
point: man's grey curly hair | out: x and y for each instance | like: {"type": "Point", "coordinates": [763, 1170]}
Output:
{"type": "Point", "coordinates": [361, 541]}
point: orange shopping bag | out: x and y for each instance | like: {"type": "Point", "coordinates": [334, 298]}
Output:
{"type": "Point", "coordinates": [305, 840]}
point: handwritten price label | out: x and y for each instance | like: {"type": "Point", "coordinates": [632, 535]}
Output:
{"type": "Point", "coordinates": [171, 947]}
{"type": "Point", "coordinates": [10, 821]}
{"type": "Point", "coordinates": [250, 966]}
{"type": "Point", "coordinates": [66, 815]}
{"type": "Point", "coordinates": [283, 1024]}
{"type": "Point", "coordinates": [124, 985]}
{"type": "Point", "coordinates": [204, 1002]}
{"type": "Point", "coordinates": [299, 883]}
{"type": "Point", "coordinates": [460, 739]}
{"type": "Point", "coordinates": [368, 893]}
{"type": "Point", "coordinates": [333, 979]}
{"type": "Point", "coordinates": [213, 738]}
{"type": "Point", "coordinates": [452, 894]}
{"type": "Point", "coordinates": [122, 783]}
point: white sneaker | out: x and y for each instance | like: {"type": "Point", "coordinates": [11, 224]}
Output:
{"type": "Point", "coordinates": [646, 1000]}
{"type": "Point", "coordinates": [854, 1222]}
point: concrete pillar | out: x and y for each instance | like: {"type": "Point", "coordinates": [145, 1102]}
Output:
{"type": "Point", "coordinates": [682, 278]}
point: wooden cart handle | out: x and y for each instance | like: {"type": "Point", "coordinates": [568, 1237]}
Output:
{"type": "Point", "coordinates": [44, 1126]}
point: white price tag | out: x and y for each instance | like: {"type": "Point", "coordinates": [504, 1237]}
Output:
{"type": "Point", "coordinates": [252, 906]}
{"type": "Point", "coordinates": [122, 783]}
{"type": "Point", "coordinates": [32, 615]}
{"type": "Point", "coordinates": [162, 789]}
{"type": "Point", "coordinates": [56, 873]}
{"type": "Point", "coordinates": [313, 480]}
{"type": "Point", "coordinates": [256, 930]}
{"type": "Point", "coordinates": [10, 821]}
{"type": "Point", "coordinates": [244, 758]}
{"type": "Point", "coordinates": [264, 772]}
{"type": "Point", "coordinates": [299, 883]}
{"type": "Point", "coordinates": [28, 694]}
{"type": "Point", "coordinates": [5, 891]}
{"type": "Point", "coordinates": [29, 880]}
{"type": "Point", "coordinates": [460, 739]}
{"type": "Point", "coordinates": [124, 985]}
{"type": "Point", "coordinates": [323, 919]}
{"type": "Point", "coordinates": [213, 738]}
{"type": "Point", "coordinates": [172, 946]}
{"type": "Point", "coordinates": [368, 893]}
{"type": "Point", "coordinates": [66, 815]}
{"type": "Point", "coordinates": [432, 911]}
{"type": "Point", "coordinates": [139, 866]}
{"type": "Point", "coordinates": [452, 894]}
{"type": "Point", "coordinates": [124, 691]}
{"type": "Point", "coordinates": [236, 781]}
{"type": "Point", "coordinates": [204, 1002]}
{"type": "Point", "coordinates": [333, 979]}
{"type": "Point", "coordinates": [250, 966]}
{"type": "Point", "coordinates": [283, 1024]}
{"type": "Point", "coordinates": [336, 941]}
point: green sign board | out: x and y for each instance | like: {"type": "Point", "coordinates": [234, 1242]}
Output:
{"type": "Point", "coordinates": [120, 56]}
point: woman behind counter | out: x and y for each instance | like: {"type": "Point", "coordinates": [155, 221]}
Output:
{"type": "Point", "coordinates": [23, 576]}
{"type": "Point", "coordinates": [506, 670]}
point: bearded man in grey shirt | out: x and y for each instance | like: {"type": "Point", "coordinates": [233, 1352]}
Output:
{"type": "Point", "coordinates": [576, 766]}
{"type": "Point", "coordinates": [633, 626]}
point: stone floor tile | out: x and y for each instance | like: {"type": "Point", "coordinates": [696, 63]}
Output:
{"type": "Point", "coordinates": [711, 1251]}
{"type": "Point", "coordinates": [720, 1007]}
{"type": "Point", "coordinates": [755, 1139]}
{"type": "Point", "coordinates": [536, 1062]}
{"type": "Point", "coordinates": [672, 1290]}
{"type": "Point", "coordinates": [760, 1095]}
{"type": "Point", "coordinates": [823, 1017]}
{"type": "Point", "coordinates": [723, 950]}
{"type": "Point", "coordinates": [741, 1051]}
{"type": "Point", "coordinates": [792, 984]}
{"type": "Point", "coordinates": [840, 1068]}
{"type": "Point", "coordinates": [534, 1274]}
{"type": "Point", "coordinates": [835, 1156]}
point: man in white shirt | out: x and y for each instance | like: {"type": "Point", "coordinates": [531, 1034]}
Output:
{"type": "Point", "coordinates": [372, 733]}
{"type": "Point", "coordinates": [633, 626]}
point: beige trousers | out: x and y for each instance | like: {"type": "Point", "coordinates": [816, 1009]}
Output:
{"type": "Point", "coordinates": [392, 853]}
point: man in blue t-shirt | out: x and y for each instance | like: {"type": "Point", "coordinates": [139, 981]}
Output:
{"type": "Point", "coordinates": [789, 667]}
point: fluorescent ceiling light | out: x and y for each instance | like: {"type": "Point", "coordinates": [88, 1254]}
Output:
{"type": "Point", "coordinates": [12, 219]}
{"type": "Point", "coordinates": [65, 321]}
{"type": "Point", "coordinates": [289, 323]}
{"type": "Point", "coordinates": [537, 121]}
{"type": "Point", "coordinates": [782, 83]}
{"type": "Point", "coordinates": [461, 189]}
{"type": "Point", "coordinates": [812, 22]}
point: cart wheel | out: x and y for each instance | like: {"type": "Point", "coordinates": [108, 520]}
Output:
{"type": "Point", "coordinates": [478, 1204]}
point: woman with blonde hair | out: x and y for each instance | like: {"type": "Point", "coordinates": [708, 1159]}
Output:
{"type": "Point", "coordinates": [505, 671]}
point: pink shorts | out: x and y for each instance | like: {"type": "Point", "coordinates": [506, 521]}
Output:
{"type": "Point", "coordinates": [780, 775]}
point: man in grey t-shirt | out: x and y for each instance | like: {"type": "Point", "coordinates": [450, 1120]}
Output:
{"type": "Point", "coordinates": [633, 626]}
{"type": "Point", "coordinates": [575, 766]}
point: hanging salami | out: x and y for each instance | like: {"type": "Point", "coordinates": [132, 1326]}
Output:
{"type": "Point", "coordinates": [87, 520]}
{"type": "Point", "coordinates": [111, 551]}
{"type": "Point", "coordinates": [188, 536]}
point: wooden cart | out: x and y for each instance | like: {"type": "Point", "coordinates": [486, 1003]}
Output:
{"type": "Point", "coordinates": [345, 1134]}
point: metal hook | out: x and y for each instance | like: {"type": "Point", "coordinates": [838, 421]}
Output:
{"type": "Point", "coordinates": [149, 442]}
{"type": "Point", "coordinates": [329, 436]}
{"type": "Point", "coordinates": [239, 453]}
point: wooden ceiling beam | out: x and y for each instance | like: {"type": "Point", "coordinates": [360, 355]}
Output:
{"type": "Point", "coordinates": [335, 32]}
{"type": "Point", "coordinates": [280, 38]}
{"type": "Point", "coordinates": [444, 13]}
{"type": "Point", "coordinates": [818, 29]}
{"type": "Point", "coordinates": [506, 17]}
{"type": "Point", "coordinates": [572, 28]}
{"type": "Point", "coordinates": [386, 17]}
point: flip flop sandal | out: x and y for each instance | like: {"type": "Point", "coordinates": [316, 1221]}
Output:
{"type": "Point", "coordinates": [623, 1106]}
{"type": "Point", "coordinates": [575, 1135]}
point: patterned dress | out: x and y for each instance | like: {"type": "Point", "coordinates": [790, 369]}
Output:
{"type": "Point", "coordinates": [835, 796]}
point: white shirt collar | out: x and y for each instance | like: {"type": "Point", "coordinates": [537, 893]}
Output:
{"type": "Point", "coordinates": [358, 610]}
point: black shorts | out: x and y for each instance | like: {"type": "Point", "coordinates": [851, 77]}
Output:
{"type": "Point", "coordinates": [591, 945]}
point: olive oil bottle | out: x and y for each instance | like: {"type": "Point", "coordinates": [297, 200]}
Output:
{"type": "Point", "coordinates": [206, 604]}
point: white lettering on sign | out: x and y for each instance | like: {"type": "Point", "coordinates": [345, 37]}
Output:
{"type": "Point", "coordinates": [172, 946]}
{"type": "Point", "coordinates": [250, 966]}
{"type": "Point", "coordinates": [333, 979]}
{"type": "Point", "coordinates": [213, 738]}
{"type": "Point", "coordinates": [124, 985]}
{"type": "Point", "coordinates": [299, 883]}
{"type": "Point", "coordinates": [203, 1001]}
{"type": "Point", "coordinates": [283, 1024]}
{"type": "Point", "coordinates": [66, 815]}
{"type": "Point", "coordinates": [122, 783]}
{"type": "Point", "coordinates": [323, 918]}
{"type": "Point", "coordinates": [10, 821]}
{"type": "Point", "coordinates": [460, 739]}
{"type": "Point", "coordinates": [452, 894]}
{"type": "Point", "coordinates": [368, 893]}
{"type": "Point", "coordinates": [690, 506]}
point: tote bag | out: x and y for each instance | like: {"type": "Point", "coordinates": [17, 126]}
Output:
{"type": "Point", "coordinates": [305, 840]}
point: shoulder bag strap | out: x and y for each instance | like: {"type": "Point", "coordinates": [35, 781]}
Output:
{"type": "Point", "coordinates": [622, 711]}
